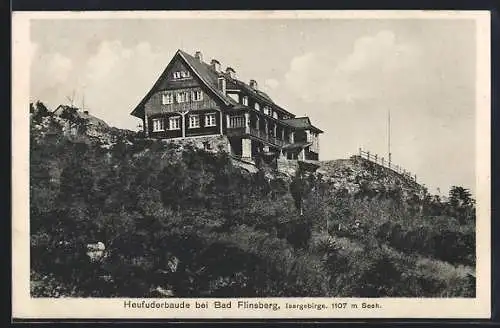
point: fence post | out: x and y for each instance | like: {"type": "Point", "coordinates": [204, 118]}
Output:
{"type": "Point", "coordinates": [368, 155]}
{"type": "Point", "coordinates": [376, 158]}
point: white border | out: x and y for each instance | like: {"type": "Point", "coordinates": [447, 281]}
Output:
{"type": "Point", "coordinates": [25, 307]}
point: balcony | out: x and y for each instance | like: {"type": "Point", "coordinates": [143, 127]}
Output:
{"type": "Point", "coordinates": [240, 131]}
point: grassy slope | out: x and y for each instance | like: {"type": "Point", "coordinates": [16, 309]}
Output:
{"type": "Point", "coordinates": [363, 232]}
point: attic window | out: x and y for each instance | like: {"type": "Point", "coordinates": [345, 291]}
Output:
{"type": "Point", "coordinates": [181, 75]}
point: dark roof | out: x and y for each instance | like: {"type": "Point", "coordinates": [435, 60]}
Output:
{"type": "Point", "coordinates": [64, 107]}
{"type": "Point", "coordinates": [90, 118]}
{"type": "Point", "coordinates": [302, 123]}
{"type": "Point", "coordinates": [207, 74]}
{"type": "Point", "coordinates": [209, 77]}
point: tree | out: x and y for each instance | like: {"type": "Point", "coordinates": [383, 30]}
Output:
{"type": "Point", "coordinates": [298, 189]}
{"type": "Point", "coordinates": [461, 204]}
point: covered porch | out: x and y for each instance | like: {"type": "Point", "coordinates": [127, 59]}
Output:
{"type": "Point", "coordinates": [259, 127]}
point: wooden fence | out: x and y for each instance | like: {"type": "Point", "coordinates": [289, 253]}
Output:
{"type": "Point", "coordinates": [387, 164]}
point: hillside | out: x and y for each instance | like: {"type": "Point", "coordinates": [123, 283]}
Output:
{"type": "Point", "coordinates": [115, 215]}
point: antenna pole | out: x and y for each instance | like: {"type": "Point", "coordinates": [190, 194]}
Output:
{"type": "Point", "coordinates": [389, 134]}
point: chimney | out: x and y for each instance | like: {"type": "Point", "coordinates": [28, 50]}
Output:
{"type": "Point", "coordinates": [198, 55]}
{"type": "Point", "coordinates": [222, 84]}
{"type": "Point", "coordinates": [86, 112]}
{"type": "Point", "coordinates": [253, 84]}
{"type": "Point", "coordinates": [215, 65]}
{"type": "Point", "coordinates": [231, 72]}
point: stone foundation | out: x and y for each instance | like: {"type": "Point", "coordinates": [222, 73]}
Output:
{"type": "Point", "coordinates": [209, 143]}
{"type": "Point", "coordinates": [287, 166]}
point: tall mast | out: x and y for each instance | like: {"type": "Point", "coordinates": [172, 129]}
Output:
{"type": "Point", "coordinates": [389, 134]}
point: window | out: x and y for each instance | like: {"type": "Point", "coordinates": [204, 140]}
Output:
{"type": "Point", "coordinates": [167, 98]}
{"type": "Point", "coordinates": [207, 145]}
{"type": "Point", "coordinates": [182, 97]}
{"type": "Point", "coordinates": [235, 96]}
{"type": "Point", "coordinates": [158, 125]}
{"type": "Point", "coordinates": [266, 110]}
{"type": "Point", "coordinates": [197, 95]}
{"type": "Point", "coordinates": [194, 121]}
{"type": "Point", "coordinates": [245, 100]}
{"type": "Point", "coordinates": [181, 75]}
{"type": "Point", "coordinates": [210, 120]}
{"type": "Point", "coordinates": [236, 121]}
{"type": "Point", "coordinates": [174, 123]}
{"type": "Point", "coordinates": [275, 115]}
{"type": "Point", "coordinates": [256, 106]}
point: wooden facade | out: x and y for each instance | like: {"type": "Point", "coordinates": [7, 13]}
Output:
{"type": "Point", "coordinates": [192, 98]}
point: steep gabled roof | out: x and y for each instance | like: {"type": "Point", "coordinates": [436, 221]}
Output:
{"type": "Point", "coordinates": [201, 70]}
{"type": "Point", "coordinates": [260, 95]}
{"type": "Point", "coordinates": [62, 108]}
{"type": "Point", "coordinates": [302, 123]}
{"type": "Point", "coordinates": [209, 77]}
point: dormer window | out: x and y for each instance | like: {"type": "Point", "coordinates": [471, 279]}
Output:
{"type": "Point", "coordinates": [197, 95]}
{"type": "Point", "coordinates": [245, 100]}
{"type": "Point", "coordinates": [257, 106]}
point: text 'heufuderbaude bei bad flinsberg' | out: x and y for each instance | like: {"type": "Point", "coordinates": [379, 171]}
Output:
{"type": "Point", "coordinates": [244, 305]}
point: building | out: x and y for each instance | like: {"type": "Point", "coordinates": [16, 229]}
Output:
{"type": "Point", "coordinates": [192, 98]}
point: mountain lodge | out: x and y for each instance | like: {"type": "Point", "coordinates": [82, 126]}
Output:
{"type": "Point", "coordinates": [192, 98]}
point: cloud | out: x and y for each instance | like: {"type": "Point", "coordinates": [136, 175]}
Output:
{"type": "Point", "coordinates": [112, 80]}
{"type": "Point", "coordinates": [60, 67]}
{"type": "Point", "coordinates": [116, 77]}
{"type": "Point", "coordinates": [51, 74]}
{"type": "Point", "coordinates": [377, 65]}
{"type": "Point", "coordinates": [271, 83]}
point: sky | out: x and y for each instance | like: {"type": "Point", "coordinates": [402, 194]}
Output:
{"type": "Point", "coordinates": [345, 74]}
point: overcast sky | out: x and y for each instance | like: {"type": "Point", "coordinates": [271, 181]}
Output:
{"type": "Point", "coordinates": [344, 74]}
